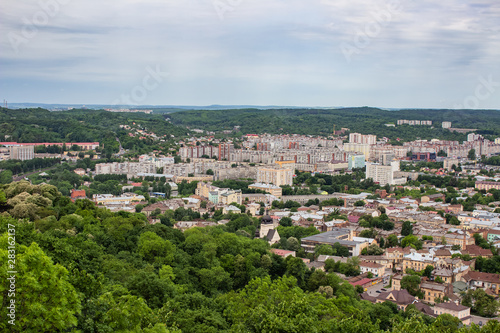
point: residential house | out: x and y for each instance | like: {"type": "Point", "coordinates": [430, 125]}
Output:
{"type": "Point", "coordinates": [399, 297]}
{"type": "Point", "coordinates": [283, 253]}
{"type": "Point", "coordinates": [459, 311]}
{"type": "Point", "coordinates": [433, 290]}
{"type": "Point", "coordinates": [483, 280]}
{"type": "Point", "coordinates": [370, 267]}
{"type": "Point", "coordinates": [78, 194]}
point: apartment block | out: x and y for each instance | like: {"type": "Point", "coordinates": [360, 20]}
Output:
{"type": "Point", "coordinates": [362, 138]}
{"type": "Point", "coordinates": [275, 176]}
{"type": "Point", "coordinates": [22, 153]}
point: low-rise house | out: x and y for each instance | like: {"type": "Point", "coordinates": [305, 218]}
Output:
{"type": "Point", "coordinates": [381, 260]}
{"type": "Point", "coordinates": [399, 297]}
{"type": "Point", "coordinates": [78, 194]}
{"type": "Point", "coordinates": [442, 253]}
{"type": "Point", "coordinates": [444, 274]}
{"type": "Point", "coordinates": [459, 311]}
{"type": "Point", "coordinates": [370, 267]}
{"type": "Point", "coordinates": [483, 280]}
{"type": "Point", "coordinates": [283, 253]}
{"type": "Point", "coordinates": [476, 251]}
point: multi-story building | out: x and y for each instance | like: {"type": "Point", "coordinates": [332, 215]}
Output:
{"type": "Point", "coordinates": [225, 150]}
{"type": "Point", "coordinates": [22, 153]}
{"type": "Point", "coordinates": [356, 161]}
{"type": "Point", "coordinates": [111, 199]}
{"type": "Point", "coordinates": [218, 195]}
{"type": "Point", "coordinates": [384, 173]}
{"type": "Point", "coordinates": [272, 189]}
{"type": "Point", "coordinates": [433, 290]}
{"type": "Point", "coordinates": [130, 169]}
{"type": "Point", "coordinates": [446, 124]}
{"type": "Point", "coordinates": [198, 151]}
{"type": "Point", "coordinates": [362, 148]}
{"type": "Point", "coordinates": [229, 196]}
{"type": "Point", "coordinates": [275, 176]}
{"type": "Point", "coordinates": [343, 236]}
{"type": "Point", "coordinates": [363, 139]}
{"type": "Point", "coordinates": [487, 185]}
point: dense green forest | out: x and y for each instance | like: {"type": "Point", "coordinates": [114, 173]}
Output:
{"type": "Point", "coordinates": [81, 268]}
{"type": "Point", "coordinates": [40, 125]}
{"type": "Point", "coordinates": [320, 121]}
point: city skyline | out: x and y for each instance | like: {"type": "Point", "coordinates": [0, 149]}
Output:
{"type": "Point", "coordinates": [395, 54]}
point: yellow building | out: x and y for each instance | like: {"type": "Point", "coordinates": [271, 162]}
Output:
{"type": "Point", "coordinates": [271, 189]}
{"type": "Point", "coordinates": [228, 197]}
{"type": "Point", "coordinates": [435, 290]}
{"type": "Point", "coordinates": [275, 176]}
{"type": "Point", "coordinates": [456, 310]}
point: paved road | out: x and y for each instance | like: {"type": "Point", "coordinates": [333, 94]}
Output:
{"type": "Point", "coordinates": [481, 320]}
{"type": "Point", "coordinates": [372, 291]}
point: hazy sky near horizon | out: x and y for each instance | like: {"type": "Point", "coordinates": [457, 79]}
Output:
{"type": "Point", "coordinates": [407, 53]}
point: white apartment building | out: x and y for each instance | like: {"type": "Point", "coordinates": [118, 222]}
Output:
{"type": "Point", "coordinates": [22, 153]}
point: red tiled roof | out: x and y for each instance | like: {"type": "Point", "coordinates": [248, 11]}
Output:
{"type": "Point", "coordinates": [360, 282]}
{"type": "Point", "coordinates": [78, 194]}
{"type": "Point", "coordinates": [281, 252]}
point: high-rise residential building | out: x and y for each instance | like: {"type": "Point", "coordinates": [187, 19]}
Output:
{"type": "Point", "coordinates": [384, 174]}
{"type": "Point", "coordinates": [356, 161]}
{"type": "Point", "coordinates": [364, 149]}
{"type": "Point", "coordinates": [362, 138]}
{"type": "Point", "coordinates": [275, 176]}
{"type": "Point", "coordinates": [225, 149]}
{"type": "Point", "coordinates": [22, 153]}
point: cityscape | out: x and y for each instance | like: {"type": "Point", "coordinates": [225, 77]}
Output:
{"type": "Point", "coordinates": [265, 166]}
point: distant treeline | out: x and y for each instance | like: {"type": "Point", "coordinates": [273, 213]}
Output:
{"type": "Point", "coordinates": [364, 120]}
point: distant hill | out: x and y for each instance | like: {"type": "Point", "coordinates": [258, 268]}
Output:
{"type": "Point", "coordinates": [365, 120]}
{"type": "Point", "coordinates": [41, 125]}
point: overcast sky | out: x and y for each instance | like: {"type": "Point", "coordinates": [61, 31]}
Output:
{"type": "Point", "coordinates": [425, 53]}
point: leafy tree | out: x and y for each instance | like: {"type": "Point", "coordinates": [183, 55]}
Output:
{"type": "Point", "coordinates": [323, 249]}
{"type": "Point", "coordinates": [359, 203]}
{"type": "Point", "coordinates": [44, 298]}
{"type": "Point", "coordinates": [471, 155]}
{"type": "Point", "coordinates": [407, 228]}
{"type": "Point", "coordinates": [5, 177]}
{"type": "Point", "coordinates": [411, 283]}
{"type": "Point", "coordinates": [412, 241]}
{"type": "Point", "coordinates": [286, 221]}
{"type": "Point", "coordinates": [392, 240]}
{"type": "Point", "coordinates": [292, 244]}
{"type": "Point", "coordinates": [428, 271]}
{"type": "Point", "coordinates": [155, 249]}
{"type": "Point", "coordinates": [372, 250]}
{"type": "Point", "coordinates": [481, 303]}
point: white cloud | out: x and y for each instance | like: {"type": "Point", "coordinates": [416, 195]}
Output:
{"type": "Point", "coordinates": [291, 47]}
